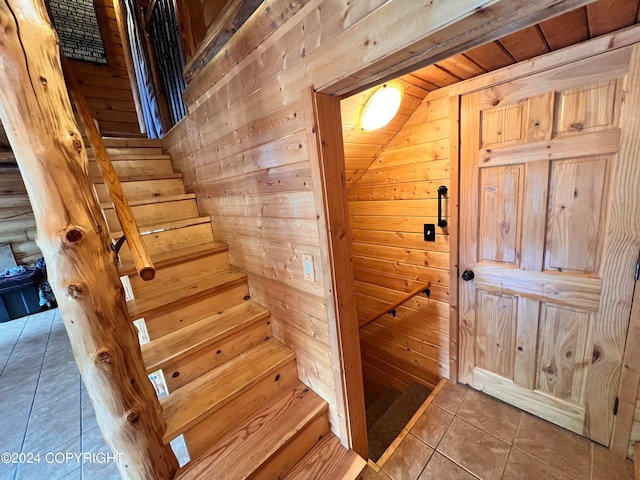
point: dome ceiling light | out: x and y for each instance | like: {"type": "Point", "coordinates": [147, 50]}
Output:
{"type": "Point", "coordinates": [382, 106]}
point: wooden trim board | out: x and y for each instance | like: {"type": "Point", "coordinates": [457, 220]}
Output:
{"type": "Point", "coordinates": [324, 133]}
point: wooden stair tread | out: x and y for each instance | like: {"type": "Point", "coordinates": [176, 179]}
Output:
{"type": "Point", "coordinates": [188, 340]}
{"type": "Point", "coordinates": [328, 460]}
{"type": "Point", "coordinates": [254, 442]}
{"type": "Point", "coordinates": [173, 257]}
{"type": "Point", "coordinates": [138, 157]}
{"type": "Point", "coordinates": [152, 200]}
{"type": "Point", "coordinates": [186, 406]}
{"type": "Point", "coordinates": [166, 226]}
{"type": "Point", "coordinates": [115, 142]}
{"type": "Point", "coordinates": [185, 289]}
{"type": "Point", "coordinates": [141, 178]}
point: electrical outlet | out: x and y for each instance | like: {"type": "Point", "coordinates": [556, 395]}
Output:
{"type": "Point", "coordinates": [309, 270]}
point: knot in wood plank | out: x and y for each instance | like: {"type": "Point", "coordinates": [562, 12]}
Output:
{"type": "Point", "coordinates": [74, 235]}
{"type": "Point", "coordinates": [74, 291]}
{"type": "Point", "coordinates": [103, 355]}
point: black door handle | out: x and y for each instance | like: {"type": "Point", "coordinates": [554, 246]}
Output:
{"type": "Point", "coordinates": [442, 191]}
{"type": "Point", "coordinates": [468, 275]}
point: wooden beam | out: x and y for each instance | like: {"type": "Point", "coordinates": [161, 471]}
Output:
{"type": "Point", "coordinates": [400, 40]}
{"type": "Point", "coordinates": [35, 107]}
{"type": "Point", "coordinates": [324, 132]}
{"type": "Point", "coordinates": [235, 13]}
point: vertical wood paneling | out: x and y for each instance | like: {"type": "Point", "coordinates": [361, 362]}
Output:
{"type": "Point", "coordinates": [395, 197]}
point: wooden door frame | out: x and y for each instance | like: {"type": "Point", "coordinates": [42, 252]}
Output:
{"type": "Point", "coordinates": [324, 128]}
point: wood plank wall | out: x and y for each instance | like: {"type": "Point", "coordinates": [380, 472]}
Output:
{"type": "Point", "coordinates": [388, 207]}
{"type": "Point", "coordinates": [17, 223]}
{"type": "Point", "coordinates": [107, 87]}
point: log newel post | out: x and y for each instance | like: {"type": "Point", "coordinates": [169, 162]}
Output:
{"type": "Point", "coordinates": [73, 237]}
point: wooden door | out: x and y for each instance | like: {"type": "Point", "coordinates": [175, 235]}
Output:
{"type": "Point", "coordinates": [549, 198]}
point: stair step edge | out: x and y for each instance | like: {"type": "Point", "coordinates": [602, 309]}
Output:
{"type": "Point", "coordinates": [327, 460]}
{"type": "Point", "coordinates": [153, 200]}
{"type": "Point", "coordinates": [188, 405]}
{"type": "Point", "coordinates": [166, 226]}
{"type": "Point", "coordinates": [167, 259]}
{"type": "Point", "coordinates": [280, 425]}
{"type": "Point", "coordinates": [139, 311]}
{"type": "Point", "coordinates": [140, 178]}
{"type": "Point", "coordinates": [211, 329]}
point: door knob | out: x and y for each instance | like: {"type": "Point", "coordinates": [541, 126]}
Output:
{"type": "Point", "coordinates": [468, 275]}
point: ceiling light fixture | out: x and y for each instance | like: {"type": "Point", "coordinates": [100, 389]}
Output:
{"type": "Point", "coordinates": [382, 106]}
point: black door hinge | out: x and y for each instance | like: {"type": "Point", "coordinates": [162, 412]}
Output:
{"type": "Point", "coordinates": [615, 406]}
{"type": "Point", "coordinates": [638, 269]}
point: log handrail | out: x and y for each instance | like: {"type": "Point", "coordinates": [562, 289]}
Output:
{"type": "Point", "coordinates": [139, 252]}
{"type": "Point", "coordinates": [408, 296]}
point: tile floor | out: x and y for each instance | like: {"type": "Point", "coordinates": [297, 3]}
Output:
{"type": "Point", "coordinates": [44, 407]}
{"type": "Point", "coordinates": [465, 435]}
{"type": "Point", "coordinates": [462, 435]}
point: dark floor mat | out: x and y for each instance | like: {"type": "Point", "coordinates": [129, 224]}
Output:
{"type": "Point", "coordinates": [381, 405]}
{"type": "Point", "coordinates": [391, 423]}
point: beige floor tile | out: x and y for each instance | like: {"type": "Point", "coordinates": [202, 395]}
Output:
{"type": "Point", "coordinates": [450, 396]}
{"type": "Point", "coordinates": [432, 424]}
{"type": "Point", "coordinates": [609, 466]}
{"type": "Point", "coordinates": [408, 460]}
{"type": "Point", "coordinates": [441, 468]}
{"type": "Point", "coordinates": [522, 466]}
{"type": "Point", "coordinates": [476, 450]}
{"type": "Point", "coordinates": [371, 474]}
{"type": "Point", "coordinates": [555, 446]}
{"type": "Point", "coordinates": [490, 415]}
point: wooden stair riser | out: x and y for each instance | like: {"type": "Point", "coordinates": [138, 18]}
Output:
{"type": "Point", "coordinates": [135, 167]}
{"type": "Point", "coordinates": [119, 142]}
{"type": "Point", "coordinates": [144, 189]}
{"type": "Point", "coordinates": [116, 152]}
{"type": "Point", "coordinates": [215, 427]}
{"type": "Point", "coordinates": [169, 279]}
{"type": "Point", "coordinates": [184, 293]}
{"type": "Point", "coordinates": [176, 316]}
{"type": "Point", "coordinates": [148, 215]}
{"type": "Point", "coordinates": [201, 361]}
{"type": "Point", "coordinates": [172, 239]}
{"type": "Point", "coordinates": [295, 449]}
{"type": "Point", "coordinates": [222, 387]}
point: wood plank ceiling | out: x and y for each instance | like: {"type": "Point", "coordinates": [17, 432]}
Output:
{"type": "Point", "coordinates": [584, 23]}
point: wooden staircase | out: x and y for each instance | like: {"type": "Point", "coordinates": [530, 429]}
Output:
{"type": "Point", "coordinates": [234, 391]}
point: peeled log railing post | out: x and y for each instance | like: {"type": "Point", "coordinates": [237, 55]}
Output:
{"type": "Point", "coordinates": [72, 234]}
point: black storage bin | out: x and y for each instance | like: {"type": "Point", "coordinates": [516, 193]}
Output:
{"type": "Point", "coordinates": [19, 296]}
